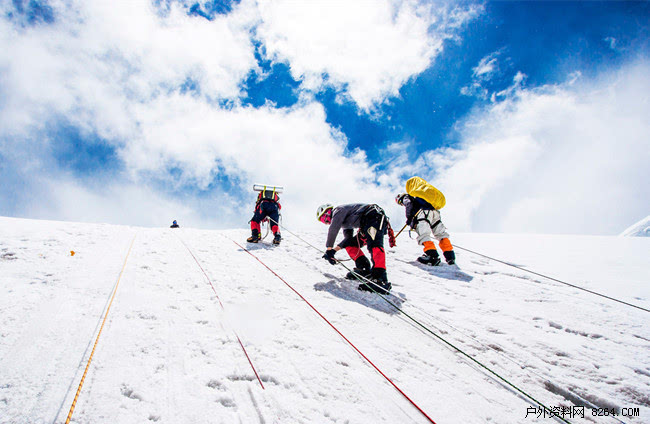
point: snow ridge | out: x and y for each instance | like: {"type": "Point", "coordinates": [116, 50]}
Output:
{"type": "Point", "coordinates": [639, 229]}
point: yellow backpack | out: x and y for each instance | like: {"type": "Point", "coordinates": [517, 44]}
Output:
{"type": "Point", "coordinates": [417, 187]}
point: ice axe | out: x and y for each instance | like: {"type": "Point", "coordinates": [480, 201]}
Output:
{"type": "Point", "coordinates": [400, 231]}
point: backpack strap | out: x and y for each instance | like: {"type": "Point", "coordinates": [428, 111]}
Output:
{"type": "Point", "coordinates": [432, 225]}
{"type": "Point", "coordinates": [268, 195]}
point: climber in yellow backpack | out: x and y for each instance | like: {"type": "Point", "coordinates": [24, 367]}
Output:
{"type": "Point", "coordinates": [423, 203]}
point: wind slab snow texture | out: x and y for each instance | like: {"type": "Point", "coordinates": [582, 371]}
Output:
{"type": "Point", "coordinates": [169, 352]}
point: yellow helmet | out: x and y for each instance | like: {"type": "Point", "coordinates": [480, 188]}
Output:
{"type": "Point", "coordinates": [322, 209]}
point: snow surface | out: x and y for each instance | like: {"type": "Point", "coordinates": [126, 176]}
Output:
{"type": "Point", "coordinates": [169, 352]}
{"type": "Point", "coordinates": [640, 229]}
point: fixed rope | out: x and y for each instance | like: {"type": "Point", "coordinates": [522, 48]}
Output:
{"type": "Point", "coordinates": [221, 304]}
{"type": "Point", "coordinates": [337, 331]}
{"type": "Point", "coordinates": [555, 279]}
{"type": "Point", "coordinates": [371, 285]}
{"type": "Point", "coordinates": [88, 347]}
{"type": "Point", "coordinates": [305, 241]}
{"type": "Point", "coordinates": [459, 350]}
{"type": "Point", "coordinates": [268, 229]}
{"type": "Point", "coordinates": [83, 378]}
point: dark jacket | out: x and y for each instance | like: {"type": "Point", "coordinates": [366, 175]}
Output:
{"type": "Point", "coordinates": [267, 196]}
{"type": "Point", "coordinates": [345, 217]}
{"type": "Point", "coordinates": [413, 205]}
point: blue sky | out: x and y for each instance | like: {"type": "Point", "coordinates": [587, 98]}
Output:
{"type": "Point", "coordinates": [177, 113]}
{"type": "Point", "coordinates": [544, 40]}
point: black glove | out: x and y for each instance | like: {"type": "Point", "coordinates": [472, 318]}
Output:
{"type": "Point", "coordinates": [329, 256]}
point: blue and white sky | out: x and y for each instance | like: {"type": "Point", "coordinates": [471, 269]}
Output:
{"type": "Point", "coordinates": [529, 116]}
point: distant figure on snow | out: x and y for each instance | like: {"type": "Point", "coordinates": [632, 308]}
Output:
{"type": "Point", "coordinates": [174, 225]}
{"type": "Point", "coordinates": [372, 223]}
{"type": "Point", "coordinates": [424, 218]}
{"type": "Point", "coordinates": [267, 205]}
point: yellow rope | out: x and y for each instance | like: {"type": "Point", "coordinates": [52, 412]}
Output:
{"type": "Point", "coordinates": [81, 383]}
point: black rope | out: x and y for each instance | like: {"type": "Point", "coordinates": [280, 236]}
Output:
{"type": "Point", "coordinates": [555, 279]}
{"type": "Point", "coordinates": [371, 283]}
{"type": "Point", "coordinates": [501, 352]}
{"type": "Point", "coordinates": [303, 240]}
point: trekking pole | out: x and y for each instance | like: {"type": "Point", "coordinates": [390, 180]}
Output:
{"type": "Point", "coordinates": [400, 231]}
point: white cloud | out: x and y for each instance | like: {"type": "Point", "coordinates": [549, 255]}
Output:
{"type": "Point", "coordinates": [99, 58]}
{"type": "Point", "coordinates": [554, 159]}
{"type": "Point", "coordinates": [482, 73]}
{"type": "Point", "coordinates": [129, 204]}
{"type": "Point", "coordinates": [486, 67]}
{"type": "Point", "coordinates": [293, 147]}
{"type": "Point", "coordinates": [475, 89]}
{"type": "Point", "coordinates": [114, 70]}
{"type": "Point", "coordinates": [557, 159]}
{"type": "Point", "coordinates": [611, 41]}
{"type": "Point", "coordinates": [366, 49]}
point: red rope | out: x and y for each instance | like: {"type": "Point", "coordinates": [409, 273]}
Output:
{"type": "Point", "coordinates": [215, 293]}
{"type": "Point", "coordinates": [340, 334]}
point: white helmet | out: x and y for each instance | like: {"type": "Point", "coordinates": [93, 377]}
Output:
{"type": "Point", "coordinates": [399, 199]}
{"type": "Point", "coordinates": [322, 209]}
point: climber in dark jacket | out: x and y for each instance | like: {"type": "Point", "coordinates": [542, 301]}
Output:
{"type": "Point", "coordinates": [372, 224]}
{"type": "Point", "coordinates": [267, 205]}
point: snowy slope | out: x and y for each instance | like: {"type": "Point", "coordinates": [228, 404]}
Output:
{"type": "Point", "coordinates": [640, 229]}
{"type": "Point", "coordinates": [178, 347]}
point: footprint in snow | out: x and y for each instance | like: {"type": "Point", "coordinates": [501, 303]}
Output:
{"type": "Point", "coordinates": [227, 402]}
{"type": "Point", "coordinates": [215, 384]}
{"type": "Point", "coordinates": [128, 392]}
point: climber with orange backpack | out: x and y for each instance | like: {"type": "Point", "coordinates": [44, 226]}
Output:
{"type": "Point", "coordinates": [423, 203]}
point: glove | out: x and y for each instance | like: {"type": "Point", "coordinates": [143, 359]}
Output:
{"type": "Point", "coordinates": [329, 256]}
{"type": "Point", "coordinates": [391, 237]}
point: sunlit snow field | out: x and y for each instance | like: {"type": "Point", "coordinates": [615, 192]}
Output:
{"type": "Point", "coordinates": [175, 343]}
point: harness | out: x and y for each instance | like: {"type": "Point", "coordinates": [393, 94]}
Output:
{"type": "Point", "coordinates": [384, 218]}
{"type": "Point", "coordinates": [432, 225]}
{"type": "Point", "coordinates": [368, 212]}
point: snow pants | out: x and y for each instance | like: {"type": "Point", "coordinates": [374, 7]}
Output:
{"type": "Point", "coordinates": [428, 227]}
{"type": "Point", "coordinates": [266, 208]}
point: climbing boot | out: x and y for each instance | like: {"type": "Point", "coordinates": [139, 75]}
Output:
{"type": "Point", "coordinates": [255, 237]}
{"type": "Point", "coordinates": [450, 257]}
{"type": "Point", "coordinates": [362, 267]}
{"type": "Point", "coordinates": [378, 282]}
{"type": "Point", "coordinates": [430, 257]}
